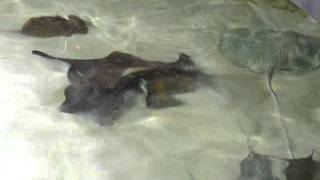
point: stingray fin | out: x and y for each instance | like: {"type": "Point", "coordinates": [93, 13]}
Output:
{"type": "Point", "coordinates": [184, 60]}
{"type": "Point", "coordinates": [75, 99]}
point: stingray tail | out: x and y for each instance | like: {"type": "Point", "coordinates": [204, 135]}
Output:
{"type": "Point", "coordinates": [43, 54]}
{"type": "Point", "coordinates": [282, 123]}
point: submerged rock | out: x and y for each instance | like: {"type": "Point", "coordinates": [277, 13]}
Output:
{"type": "Point", "coordinates": [50, 26]}
{"type": "Point", "coordinates": [261, 50]}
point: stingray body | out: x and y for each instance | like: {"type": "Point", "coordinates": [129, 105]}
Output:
{"type": "Point", "coordinates": [161, 83]}
{"type": "Point", "coordinates": [260, 50]}
{"type": "Point", "coordinates": [262, 167]}
{"type": "Point", "coordinates": [158, 85]}
{"type": "Point", "coordinates": [50, 26]}
{"type": "Point", "coordinates": [100, 85]}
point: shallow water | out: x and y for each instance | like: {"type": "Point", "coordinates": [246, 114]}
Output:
{"type": "Point", "coordinates": [204, 139]}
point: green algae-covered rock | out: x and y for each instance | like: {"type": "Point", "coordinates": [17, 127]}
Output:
{"type": "Point", "coordinates": [260, 50]}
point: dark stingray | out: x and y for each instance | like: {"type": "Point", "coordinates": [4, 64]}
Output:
{"type": "Point", "coordinates": [50, 26]}
{"type": "Point", "coordinates": [256, 167]}
{"type": "Point", "coordinates": [100, 86]}
{"type": "Point", "coordinates": [158, 85]}
{"type": "Point", "coordinates": [105, 72]}
{"type": "Point", "coordinates": [303, 168]}
{"type": "Point", "coordinates": [262, 167]}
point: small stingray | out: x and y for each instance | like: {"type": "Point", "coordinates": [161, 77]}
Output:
{"type": "Point", "coordinates": [280, 4]}
{"type": "Point", "coordinates": [261, 167]}
{"type": "Point", "coordinates": [256, 167]}
{"type": "Point", "coordinates": [100, 86]}
{"type": "Point", "coordinates": [50, 26]}
{"type": "Point", "coordinates": [269, 51]}
{"type": "Point", "coordinates": [260, 50]}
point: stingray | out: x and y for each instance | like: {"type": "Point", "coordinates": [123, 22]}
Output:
{"type": "Point", "coordinates": [269, 51]}
{"type": "Point", "coordinates": [260, 50]}
{"type": "Point", "coordinates": [158, 85]}
{"type": "Point", "coordinates": [102, 86]}
{"type": "Point", "coordinates": [50, 26]}
{"type": "Point", "coordinates": [262, 167]}
{"type": "Point", "coordinates": [279, 4]}
{"type": "Point", "coordinates": [105, 72]}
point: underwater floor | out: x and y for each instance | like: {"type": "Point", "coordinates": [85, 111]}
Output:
{"type": "Point", "coordinates": [206, 138]}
